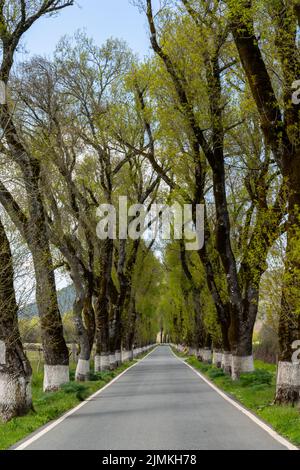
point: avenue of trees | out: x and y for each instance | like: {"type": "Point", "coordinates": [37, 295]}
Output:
{"type": "Point", "coordinates": [210, 118]}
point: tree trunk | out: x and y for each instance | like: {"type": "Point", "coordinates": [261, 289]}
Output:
{"type": "Point", "coordinates": [83, 365]}
{"type": "Point", "coordinates": [280, 128]}
{"type": "Point", "coordinates": [102, 334]}
{"type": "Point", "coordinates": [56, 354]}
{"type": "Point", "coordinates": [34, 230]}
{"type": "Point", "coordinates": [15, 369]}
{"type": "Point", "coordinates": [125, 274]}
{"type": "Point", "coordinates": [288, 377]}
{"type": "Point", "coordinates": [223, 309]}
{"type": "Point", "coordinates": [199, 325]}
{"type": "Point", "coordinates": [89, 319]}
{"type": "Point", "coordinates": [242, 350]}
{"type": "Point", "coordinates": [102, 307]}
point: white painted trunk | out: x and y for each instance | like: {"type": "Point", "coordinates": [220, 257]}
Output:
{"type": "Point", "coordinates": [82, 370]}
{"type": "Point", "coordinates": [131, 355]}
{"type": "Point", "coordinates": [97, 363]}
{"type": "Point", "coordinates": [112, 361]}
{"type": "Point", "coordinates": [192, 352]}
{"type": "Point", "coordinates": [105, 362]}
{"type": "Point", "coordinates": [288, 382]}
{"type": "Point", "coordinates": [201, 354]}
{"type": "Point", "coordinates": [2, 353]}
{"type": "Point", "coordinates": [15, 396]}
{"type": "Point", "coordinates": [207, 356]}
{"type": "Point", "coordinates": [217, 358]}
{"type": "Point", "coordinates": [54, 377]}
{"type": "Point", "coordinates": [226, 362]}
{"type": "Point", "coordinates": [241, 365]}
{"type": "Point", "coordinates": [118, 357]}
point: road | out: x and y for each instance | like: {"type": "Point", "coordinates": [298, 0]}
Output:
{"type": "Point", "coordinates": [159, 404]}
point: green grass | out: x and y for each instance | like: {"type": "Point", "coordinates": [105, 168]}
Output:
{"type": "Point", "coordinates": [256, 392]}
{"type": "Point", "coordinates": [49, 406]}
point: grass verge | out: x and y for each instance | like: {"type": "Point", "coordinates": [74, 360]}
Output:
{"type": "Point", "coordinates": [50, 406]}
{"type": "Point", "coordinates": [256, 392]}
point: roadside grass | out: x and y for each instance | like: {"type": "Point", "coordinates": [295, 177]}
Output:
{"type": "Point", "coordinates": [50, 406]}
{"type": "Point", "coordinates": [256, 392]}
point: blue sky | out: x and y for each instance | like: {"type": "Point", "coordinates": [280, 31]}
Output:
{"type": "Point", "coordinates": [100, 18]}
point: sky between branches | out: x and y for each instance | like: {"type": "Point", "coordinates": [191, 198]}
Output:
{"type": "Point", "coordinates": [101, 19]}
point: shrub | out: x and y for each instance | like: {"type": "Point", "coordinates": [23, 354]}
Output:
{"type": "Point", "coordinates": [77, 389]}
{"type": "Point", "coordinates": [258, 377]}
{"type": "Point", "coordinates": [104, 376]}
{"type": "Point", "coordinates": [214, 373]}
{"type": "Point", "coordinates": [72, 375]}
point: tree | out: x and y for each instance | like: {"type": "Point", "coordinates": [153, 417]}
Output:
{"type": "Point", "coordinates": [242, 284]}
{"type": "Point", "coordinates": [72, 119]}
{"type": "Point", "coordinates": [16, 18]}
{"type": "Point", "coordinates": [280, 124]}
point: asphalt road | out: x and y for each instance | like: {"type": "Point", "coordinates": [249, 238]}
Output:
{"type": "Point", "coordinates": [160, 404]}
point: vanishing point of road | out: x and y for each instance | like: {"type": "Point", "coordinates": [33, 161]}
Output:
{"type": "Point", "coordinates": [159, 404]}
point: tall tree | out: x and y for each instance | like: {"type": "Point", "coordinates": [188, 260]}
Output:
{"type": "Point", "coordinates": [242, 284]}
{"type": "Point", "coordinates": [280, 120]}
{"type": "Point", "coordinates": [15, 369]}
{"type": "Point", "coordinates": [16, 17]}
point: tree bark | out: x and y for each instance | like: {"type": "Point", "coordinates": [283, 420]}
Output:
{"type": "Point", "coordinates": [102, 309]}
{"type": "Point", "coordinates": [56, 353]}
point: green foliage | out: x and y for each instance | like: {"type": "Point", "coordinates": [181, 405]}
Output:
{"type": "Point", "coordinates": [214, 373]}
{"type": "Point", "coordinates": [69, 327]}
{"type": "Point", "coordinates": [30, 330]}
{"type": "Point", "coordinates": [258, 377]}
{"type": "Point", "coordinates": [79, 390]}
{"type": "Point", "coordinates": [104, 376]}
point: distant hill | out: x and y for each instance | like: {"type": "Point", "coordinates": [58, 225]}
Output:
{"type": "Point", "coordinates": [66, 297]}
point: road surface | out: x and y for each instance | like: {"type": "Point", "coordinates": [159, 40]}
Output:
{"type": "Point", "coordinates": [160, 404]}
